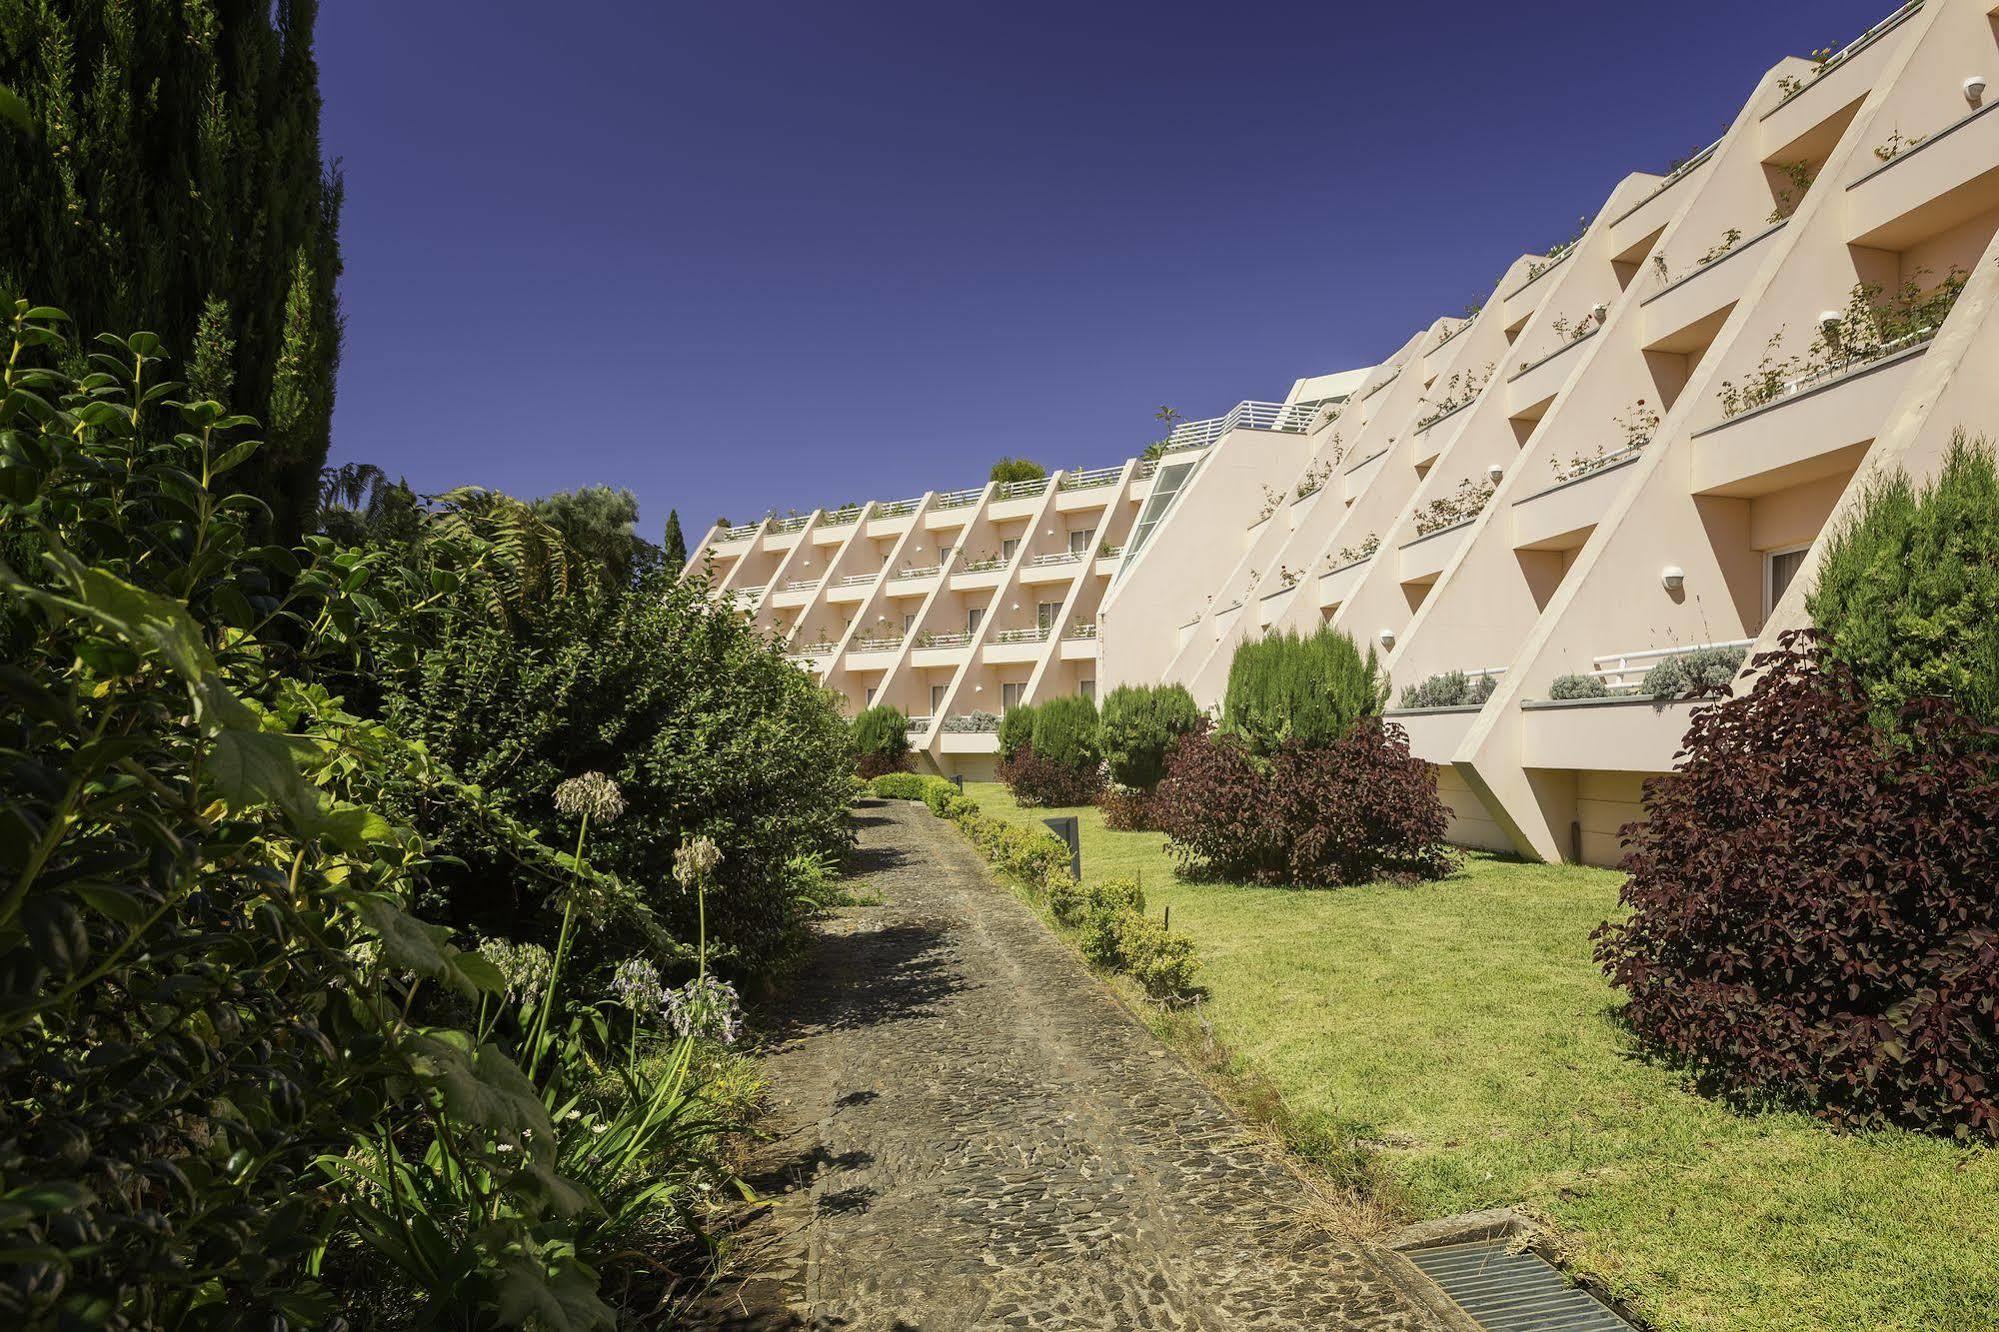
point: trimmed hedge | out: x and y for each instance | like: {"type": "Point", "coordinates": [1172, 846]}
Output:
{"type": "Point", "coordinates": [1360, 809]}
{"type": "Point", "coordinates": [1814, 906]}
{"type": "Point", "coordinates": [1137, 725]}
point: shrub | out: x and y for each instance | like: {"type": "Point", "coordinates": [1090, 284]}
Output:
{"type": "Point", "coordinates": [1126, 810]}
{"type": "Point", "coordinates": [1286, 689]}
{"type": "Point", "coordinates": [1704, 671]}
{"type": "Point", "coordinates": [1017, 469]}
{"type": "Point", "coordinates": [901, 785]}
{"type": "Point", "coordinates": [1451, 689]}
{"type": "Point", "coordinates": [1016, 729]}
{"type": "Point", "coordinates": [1136, 726]}
{"type": "Point", "coordinates": [1034, 780]}
{"type": "Point", "coordinates": [1166, 965]}
{"type": "Point", "coordinates": [881, 740]}
{"type": "Point", "coordinates": [1814, 908]}
{"type": "Point", "coordinates": [1908, 590]}
{"type": "Point", "coordinates": [1357, 810]}
{"type": "Point", "coordinates": [1578, 686]}
{"type": "Point", "coordinates": [1065, 732]}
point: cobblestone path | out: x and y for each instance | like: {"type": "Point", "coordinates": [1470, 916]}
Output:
{"type": "Point", "coordinates": [981, 1137]}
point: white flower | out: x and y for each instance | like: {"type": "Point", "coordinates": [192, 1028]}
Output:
{"type": "Point", "coordinates": [694, 863]}
{"type": "Point", "coordinates": [593, 796]}
{"type": "Point", "coordinates": [706, 1007]}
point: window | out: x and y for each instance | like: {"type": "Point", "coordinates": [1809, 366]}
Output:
{"type": "Point", "coordinates": [1080, 542]}
{"type": "Point", "coordinates": [908, 621]}
{"type": "Point", "coordinates": [1008, 547]}
{"type": "Point", "coordinates": [1779, 568]}
{"type": "Point", "coordinates": [937, 698]}
{"type": "Point", "coordinates": [1010, 695]}
{"type": "Point", "coordinates": [1046, 614]}
{"type": "Point", "coordinates": [1088, 689]}
{"type": "Point", "coordinates": [871, 698]}
{"type": "Point", "coordinates": [972, 618]}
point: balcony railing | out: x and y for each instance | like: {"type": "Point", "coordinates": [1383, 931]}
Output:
{"type": "Point", "coordinates": [962, 638]}
{"type": "Point", "coordinates": [802, 584]}
{"type": "Point", "coordinates": [1010, 636]}
{"type": "Point", "coordinates": [1110, 552]}
{"type": "Point", "coordinates": [791, 524]}
{"type": "Point", "coordinates": [737, 533]}
{"type": "Point", "coordinates": [745, 595]}
{"type": "Point", "coordinates": [958, 499]}
{"type": "Point", "coordinates": [1294, 418]}
{"type": "Point", "coordinates": [918, 724]}
{"type": "Point", "coordinates": [819, 649]}
{"type": "Point", "coordinates": [1080, 631]}
{"type": "Point", "coordinates": [972, 723]}
{"type": "Point", "coordinates": [1095, 476]}
{"type": "Point", "coordinates": [1020, 489]}
{"type": "Point", "coordinates": [1145, 468]}
{"type": "Point", "coordinates": [1576, 340]}
{"type": "Point", "coordinates": [857, 580]}
{"type": "Point", "coordinates": [1059, 557]}
{"type": "Point", "coordinates": [1614, 668]}
{"type": "Point", "coordinates": [930, 571]}
{"type": "Point", "coordinates": [841, 517]}
{"type": "Point", "coordinates": [896, 508]}
{"type": "Point", "coordinates": [878, 643]}
{"type": "Point", "coordinates": [986, 566]}
{"type": "Point", "coordinates": [1847, 52]}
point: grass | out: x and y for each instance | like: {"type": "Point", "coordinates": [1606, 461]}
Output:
{"type": "Point", "coordinates": [1461, 1032]}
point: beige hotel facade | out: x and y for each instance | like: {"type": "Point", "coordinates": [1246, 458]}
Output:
{"type": "Point", "coordinates": [1633, 449]}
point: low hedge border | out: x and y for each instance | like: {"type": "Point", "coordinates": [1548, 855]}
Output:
{"type": "Point", "coordinates": [1105, 921]}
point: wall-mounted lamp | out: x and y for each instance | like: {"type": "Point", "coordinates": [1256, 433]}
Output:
{"type": "Point", "coordinates": [1974, 89]}
{"type": "Point", "coordinates": [1015, 606]}
{"type": "Point", "coordinates": [1387, 637]}
{"type": "Point", "coordinates": [1495, 472]}
{"type": "Point", "coordinates": [1600, 312]}
{"type": "Point", "coordinates": [1829, 322]}
{"type": "Point", "coordinates": [881, 619]}
{"type": "Point", "coordinates": [1672, 578]}
{"type": "Point", "coordinates": [978, 689]}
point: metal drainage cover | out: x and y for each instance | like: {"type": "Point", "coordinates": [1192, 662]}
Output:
{"type": "Point", "coordinates": [1513, 1292]}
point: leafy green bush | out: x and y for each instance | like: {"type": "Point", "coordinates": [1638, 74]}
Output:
{"type": "Point", "coordinates": [1017, 469]}
{"type": "Point", "coordinates": [1287, 689]}
{"type": "Point", "coordinates": [1136, 725]}
{"type": "Point", "coordinates": [1016, 730]}
{"type": "Point", "coordinates": [1451, 689]}
{"type": "Point", "coordinates": [1065, 733]}
{"type": "Point", "coordinates": [1908, 590]}
{"type": "Point", "coordinates": [881, 740]}
{"type": "Point", "coordinates": [1165, 964]}
{"type": "Point", "coordinates": [901, 785]}
{"type": "Point", "coordinates": [1578, 686]}
{"type": "Point", "coordinates": [1693, 673]}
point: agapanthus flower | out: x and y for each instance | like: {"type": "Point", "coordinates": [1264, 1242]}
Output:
{"type": "Point", "coordinates": [694, 863]}
{"type": "Point", "coordinates": [526, 966]}
{"type": "Point", "coordinates": [706, 1007]}
{"type": "Point", "coordinates": [637, 985]}
{"type": "Point", "coordinates": [593, 796]}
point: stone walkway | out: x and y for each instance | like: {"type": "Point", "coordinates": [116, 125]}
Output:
{"type": "Point", "coordinates": [977, 1135]}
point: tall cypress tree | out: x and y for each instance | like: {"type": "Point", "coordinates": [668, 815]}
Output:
{"type": "Point", "coordinates": [673, 546]}
{"type": "Point", "coordinates": [173, 182]}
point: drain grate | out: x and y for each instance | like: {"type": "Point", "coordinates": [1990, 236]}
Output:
{"type": "Point", "coordinates": [1513, 1292]}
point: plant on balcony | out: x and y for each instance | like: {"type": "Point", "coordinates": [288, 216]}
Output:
{"type": "Point", "coordinates": [881, 741]}
{"type": "Point", "coordinates": [1639, 424]}
{"type": "Point", "coordinates": [985, 563]}
{"type": "Point", "coordinates": [1459, 389]}
{"type": "Point", "coordinates": [1723, 246]}
{"type": "Point", "coordinates": [972, 723]}
{"type": "Point", "coordinates": [1273, 497]}
{"type": "Point", "coordinates": [1364, 551]}
{"type": "Point", "coordinates": [1895, 145]}
{"type": "Point", "coordinates": [1798, 178]}
{"type": "Point", "coordinates": [1288, 577]}
{"type": "Point", "coordinates": [1449, 689]}
{"type": "Point", "coordinates": [1017, 469]}
{"type": "Point", "coordinates": [1660, 270]}
{"type": "Point", "coordinates": [1812, 910]}
{"type": "Point", "coordinates": [1907, 593]}
{"type": "Point", "coordinates": [1690, 674]}
{"type": "Point", "coordinates": [1870, 328]}
{"type": "Point", "coordinates": [1170, 418]}
{"type": "Point", "coordinates": [1568, 687]}
{"type": "Point", "coordinates": [1461, 505]}
{"type": "Point", "coordinates": [1316, 475]}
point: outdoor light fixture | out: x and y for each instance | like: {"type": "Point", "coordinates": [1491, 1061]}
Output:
{"type": "Point", "coordinates": [1974, 89]}
{"type": "Point", "coordinates": [1015, 606]}
{"type": "Point", "coordinates": [1387, 637]}
{"type": "Point", "coordinates": [1600, 311]}
{"type": "Point", "coordinates": [1829, 324]}
{"type": "Point", "coordinates": [1672, 578]}
{"type": "Point", "coordinates": [1495, 471]}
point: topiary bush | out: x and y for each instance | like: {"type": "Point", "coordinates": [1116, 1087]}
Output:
{"type": "Point", "coordinates": [1814, 906]}
{"type": "Point", "coordinates": [881, 741]}
{"type": "Point", "coordinates": [1016, 729]}
{"type": "Point", "coordinates": [1136, 726]}
{"type": "Point", "coordinates": [1908, 589]}
{"type": "Point", "coordinates": [1578, 686]}
{"type": "Point", "coordinates": [1360, 809]}
{"type": "Point", "coordinates": [1286, 689]}
{"type": "Point", "coordinates": [1705, 671]}
{"type": "Point", "coordinates": [1065, 732]}
{"type": "Point", "coordinates": [1451, 689]}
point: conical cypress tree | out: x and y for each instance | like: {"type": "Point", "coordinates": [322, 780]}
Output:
{"type": "Point", "coordinates": [173, 182]}
{"type": "Point", "coordinates": [673, 548]}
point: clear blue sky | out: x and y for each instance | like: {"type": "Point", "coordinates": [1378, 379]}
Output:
{"type": "Point", "coordinates": [738, 255]}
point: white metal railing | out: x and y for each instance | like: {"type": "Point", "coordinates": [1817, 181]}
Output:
{"type": "Point", "coordinates": [878, 643]}
{"type": "Point", "coordinates": [1017, 489]}
{"type": "Point", "coordinates": [986, 566]}
{"type": "Point", "coordinates": [1110, 552]}
{"type": "Point", "coordinates": [962, 638]}
{"type": "Point", "coordinates": [1146, 467]}
{"type": "Point", "coordinates": [1059, 557]}
{"type": "Point", "coordinates": [857, 580]}
{"type": "Point", "coordinates": [1622, 664]}
{"type": "Point", "coordinates": [790, 524]}
{"type": "Point", "coordinates": [1598, 464]}
{"type": "Point", "coordinates": [737, 533]}
{"type": "Point", "coordinates": [1080, 631]}
{"type": "Point", "coordinates": [748, 593]}
{"type": "Point", "coordinates": [958, 499]}
{"type": "Point", "coordinates": [802, 584]}
{"type": "Point", "coordinates": [841, 517]}
{"type": "Point", "coordinates": [1021, 636]}
{"type": "Point", "coordinates": [930, 571]}
{"type": "Point", "coordinates": [1095, 476]}
{"type": "Point", "coordinates": [971, 723]}
{"type": "Point", "coordinates": [1879, 352]}
{"type": "Point", "coordinates": [819, 649]}
{"type": "Point", "coordinates": [1291, 417]}
{"type": "Point", "coordinates": [918, 724]}
{"type": "Point", "coordinates": [896, 508]}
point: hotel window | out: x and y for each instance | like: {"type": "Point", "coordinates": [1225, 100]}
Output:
{"type": "Point", "coordinates": [972, 618]}
{"type": "Point", "coordinates": [1010, 695]}
{"type": "Point", "coordinates": [937, 698]}
{"type": "Point", "coordinates": [1779, 568]}
{"type": "Point", "coordinates": [871, 698]}
{"type": "Point", "coordinates": [1046, 614]}
{"type": "Point", "coordinates": [1088, 689]}
{"type": "Point", "coordinates": [1080, 542]}
{"type": "Point", "coordinates": [1008, 547]}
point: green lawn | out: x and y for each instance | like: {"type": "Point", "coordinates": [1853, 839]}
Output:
{"type": "Point", "coordinates": [1463, 1028]}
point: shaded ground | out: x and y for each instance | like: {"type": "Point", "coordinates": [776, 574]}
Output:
{"type": "Point", "coordinates": [976, 1135]}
